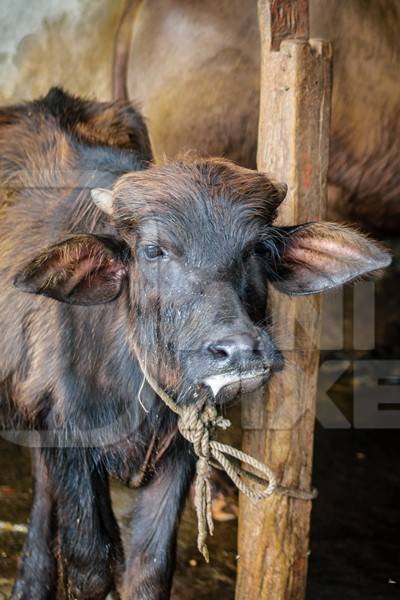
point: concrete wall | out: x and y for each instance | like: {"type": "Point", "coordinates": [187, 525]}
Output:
{"type": "Point", "coordinates": [56, 42]}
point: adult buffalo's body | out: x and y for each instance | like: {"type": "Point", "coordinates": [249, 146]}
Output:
{"type": "Point", "coordinates": [194, 67]}
{"type": "Point", "coordinates": [172, 265]}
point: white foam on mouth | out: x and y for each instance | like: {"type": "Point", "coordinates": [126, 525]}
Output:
{"type": "Point", "coordinates": [217, 382]}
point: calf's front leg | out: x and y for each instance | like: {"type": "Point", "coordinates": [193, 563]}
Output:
{"type": "Point", "coordinates": [36, 577]}
{"type": "Point", "coordinates": [88, 546]}
{"type": "Point", "coordinates": [156, 516]}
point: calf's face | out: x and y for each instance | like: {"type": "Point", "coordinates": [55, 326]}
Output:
{"type": "Point", "coordinates": [195, 251]}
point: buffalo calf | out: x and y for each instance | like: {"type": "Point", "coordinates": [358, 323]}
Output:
{"type": "Point", "coordinates": [104, 258]}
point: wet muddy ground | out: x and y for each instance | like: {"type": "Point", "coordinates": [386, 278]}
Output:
{"type": "Point", "coordinates": [355, 537]}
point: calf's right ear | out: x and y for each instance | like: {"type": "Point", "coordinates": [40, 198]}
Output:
{"type": "Point", "coordinates": [84, 269]}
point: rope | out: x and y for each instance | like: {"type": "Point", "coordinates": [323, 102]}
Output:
{"type": "Point", "coordinates": [196, 423]}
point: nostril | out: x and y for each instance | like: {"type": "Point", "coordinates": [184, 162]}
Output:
{"type": "Point", "coordinates": [236, 347]}
{"type": "Point", "coordinates": [218, 350]}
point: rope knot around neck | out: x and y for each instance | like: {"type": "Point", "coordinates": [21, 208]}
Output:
{"type": "Point", "coordinates": [197, 423]}
{"type": "Point", "coordinates": [194, 425]}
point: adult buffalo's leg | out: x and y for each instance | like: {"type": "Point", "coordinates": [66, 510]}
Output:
{"type": "Point", "coordinates": [155, 521]}
{"type": "Point", "coordinates": [89, 545]}
{"type": "Point", "coordinates": [37, 569]}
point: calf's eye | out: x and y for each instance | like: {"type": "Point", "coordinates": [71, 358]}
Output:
{"type": "Point", "coordinates": [255, 249]}
{"type": "Point", "coordinates": [152, 252]}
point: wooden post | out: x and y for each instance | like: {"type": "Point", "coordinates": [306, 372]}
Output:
{"type": "Point", "coordinates": [293, 148]}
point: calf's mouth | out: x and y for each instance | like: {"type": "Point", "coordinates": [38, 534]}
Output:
{"type": "Point", "coordinates": [234, 382]}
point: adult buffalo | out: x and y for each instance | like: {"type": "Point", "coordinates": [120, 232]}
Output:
{"type": "Point", "coordinates": [194, 68]}
{"type": "Point", "coordinates": [169, 269]}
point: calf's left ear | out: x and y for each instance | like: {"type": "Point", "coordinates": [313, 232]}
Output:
{"type": "Point", "coordinates": [318, 256]}
{"type": "Point", "coordinates": [84, 269]}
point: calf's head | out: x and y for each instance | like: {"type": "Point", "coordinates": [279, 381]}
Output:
{"type": "Point", "coordinates": [194, 252]}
